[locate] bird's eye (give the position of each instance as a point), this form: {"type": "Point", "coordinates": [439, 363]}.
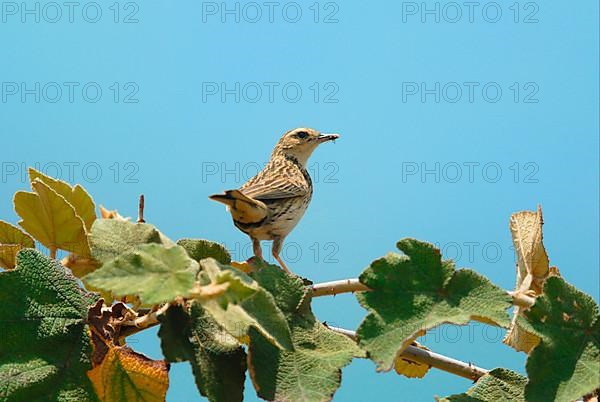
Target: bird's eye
{"type": "Point", "coordinates": [302, 135]}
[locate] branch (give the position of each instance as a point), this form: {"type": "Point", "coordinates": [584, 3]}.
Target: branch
{"type": "Point", "coordinates": [337, 287]}
{"type": "Point", "coordinates": [412, 353]}
{"type": "Point", "coordinates": [141, 210]}
{"type": "Point", "coordinates": [319, 289]}
{"type": "Point", "coordinates": [426, 357]}
{"type": "Point", "coordinates": [146, 321]}
{"type": "Point", "coordinates": [354, 285]}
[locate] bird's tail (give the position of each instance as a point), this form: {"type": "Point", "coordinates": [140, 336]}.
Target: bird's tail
{"type": "Point", "coordinates": [244, 209]}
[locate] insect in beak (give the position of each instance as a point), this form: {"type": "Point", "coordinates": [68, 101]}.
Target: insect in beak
{"type": "Point", "coordinates": [327, 137]}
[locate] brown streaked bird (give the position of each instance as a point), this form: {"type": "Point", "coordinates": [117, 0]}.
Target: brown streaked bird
{"type": "Point", "coordinates": [270, 204]}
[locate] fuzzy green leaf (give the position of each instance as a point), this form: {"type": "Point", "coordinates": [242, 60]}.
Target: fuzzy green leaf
{"type": "Point", "coordinates": [76, 195]}
{"type": "Point", "coordinates": [45, 346]}
{"type": "Point", "coordinates": [565, 365]}
{"type": "Point", "coordinates": [289, 291]}
{"type": "Point", "coordinates": [218, 360]}
{"type": "Point", "coordinates": [151, 271]}
{"type": "Point", "coordinates": [174, 334]}
{"type": "Point", "coordinates": [198, 249]}
{"type": "Point", "coordinates": [113, 237]}
{"type": "Point", "coordinates": [418, 291]}
{"type": "Point", "coordinates": [245, 304]}
{"type": "Point", "coordinates": [497, 385]}
{"type": "Point", "coordinates": [312, 371]}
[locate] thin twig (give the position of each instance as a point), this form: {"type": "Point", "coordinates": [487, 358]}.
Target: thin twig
{"type": "Point", "coordinates": [432, 359]}
{"type": "Point", "coordinates": [320, 289]}
{"type": "Point", "coordinates": [141, 210]}
{"type": "Point", "coordinates": [149, 319]}
{"type": "Point", "coordinates": [354, 285]}
{"type": "Point", "coordinates": [411, 353]}
{"type": "Point", "coordinates": [141, 323]}
{"type": "Point", "coordinates": [337, 287]}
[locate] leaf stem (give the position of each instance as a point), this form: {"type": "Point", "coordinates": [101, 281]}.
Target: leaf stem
{"type": "Point", "coordinates": [521, 300]}
{"type": "Point", "coordinates": [440, 362]}
{"type": "Point", "coordinates": [354, 285]}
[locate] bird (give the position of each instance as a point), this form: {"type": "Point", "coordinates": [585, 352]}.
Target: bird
{"type": "Point", "coordinates": [269, 205]}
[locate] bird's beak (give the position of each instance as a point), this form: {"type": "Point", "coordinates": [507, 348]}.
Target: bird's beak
{"type": "Point", "coordinates": [327, 137]}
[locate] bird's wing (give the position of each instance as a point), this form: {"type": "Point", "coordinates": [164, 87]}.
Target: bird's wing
{"type": "Point", "coordinates": [274, 189]}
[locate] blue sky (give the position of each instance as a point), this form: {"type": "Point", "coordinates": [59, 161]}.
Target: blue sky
{"type": "Point", "coordinates": [447, 127]}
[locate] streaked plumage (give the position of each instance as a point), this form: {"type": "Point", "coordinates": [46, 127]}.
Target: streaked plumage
{"type": "Point", "coordinates": [270, 204]}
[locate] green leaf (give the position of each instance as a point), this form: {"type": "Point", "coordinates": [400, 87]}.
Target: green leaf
{"type": "Point", "coordinates": [244, 304]}
{"type": "Point", "coordinates": [45, 345]}
{"type": "Point", "coordinates": [174, 334]}
{"type": "Point", "coordinates": [153, 272]}
{"type": "Point", "coordinates": [113, 237]}
{"type": "Point", "coordinates": [12, 239]}
{"type": "Point", "coordinates": [497, 385]}
{"type": "Point", "coordinates": [418, 291]}
{"type": "Point", "coordinates": [48, 217]}
{"type": "Point", "coordinates": [198, 249]}
{"type": "Point", "coordinates": [312, 371]}
{"type": "Point", "coordinates": [289, 291]}
{"type": "Point", "coordinates": [217, 358]}
{"type": "Point", "coordinates": [565, 365]}
{"type": "Point", "coordinates": [76, 195]}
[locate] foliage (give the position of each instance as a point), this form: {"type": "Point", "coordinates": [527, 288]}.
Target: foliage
{"type": "Point", "coordinates": [244, 305]}
{"type": "Point", "coordinates": [533, 268]}
{"type": "Point", "coordinates": [312, 370]}
{"type": "Point", "coordinates": [497, 385]}
{"type": "Point", "coordinates": [12, 239]}
{"type": "Point", "coordinates": [125, 375]}
{"type": "Point", "coordinates": [60, 342]}
{"type": "Point", "coordinates": [51, 219]}
{"type": "Point", "coordinates": [199, 249]}
{"type": "Point", "coordinates": [415, 292]}
{"type": "Point", "coordinates": [110, 238]}
{"type": "Point", "coordinates": [75, 195]}
{"type": "Point", "coordinates": [217, 358]}
{"type": "Point", "coordinates": [45, 347]}
{"type": "Point", "coordinates": [156, 274]}
{"type": "Point", "coordinates": [566, 362]}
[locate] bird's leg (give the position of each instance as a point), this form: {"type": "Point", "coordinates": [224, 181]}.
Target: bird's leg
{"type": "Point", "coordinates": [277, 244]}
{"type": "Point", "coordinates": [256, 248]}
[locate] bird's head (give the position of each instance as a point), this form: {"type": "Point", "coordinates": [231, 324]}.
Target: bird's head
{"type": "Point", "coordinates": [301, 142]}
